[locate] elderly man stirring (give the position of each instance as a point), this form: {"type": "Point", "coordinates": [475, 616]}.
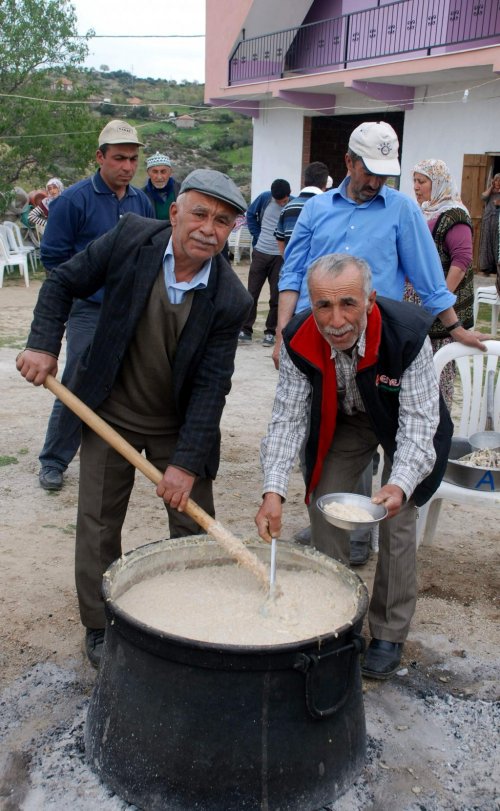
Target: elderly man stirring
{"type": "Point", "coordinates": [363, 371]}
{"type": "Point", "coordinates": [158, 370]}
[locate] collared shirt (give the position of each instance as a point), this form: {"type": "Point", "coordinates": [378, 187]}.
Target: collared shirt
{"type": "Point", "coordinates": [389, 232]}
{"type": "Point", "coordinates": [177, 290]}
{"type": "Point", "coordinates": [418, 420]}
{"type": "Point", "coordinates": [348, 396]}
{"type": "Point", "coordinates": [84, 212]}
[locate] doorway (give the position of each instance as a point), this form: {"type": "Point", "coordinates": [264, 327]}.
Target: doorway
{"type": "Point", "coordinates": [476, 176]}
{"type": "Point", "coordinates": [329, 136]}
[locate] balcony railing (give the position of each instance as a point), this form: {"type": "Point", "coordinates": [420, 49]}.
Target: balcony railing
{"type": "Point", "coordinates": [382, 33]}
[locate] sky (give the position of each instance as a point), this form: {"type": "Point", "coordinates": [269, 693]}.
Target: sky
{"type": "Point", "coordinates": [159, 58]}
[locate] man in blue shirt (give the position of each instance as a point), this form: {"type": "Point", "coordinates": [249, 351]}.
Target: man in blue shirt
{"type": "Point", "coordinates": [262, 218]}
{"type": "Point", "coordinates": [365, 218]}
{"type": "Point", "coordinates": [83, 212]}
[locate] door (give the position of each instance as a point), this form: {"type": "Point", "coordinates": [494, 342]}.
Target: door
{"type": "Point", "coordinates": [476, 170]}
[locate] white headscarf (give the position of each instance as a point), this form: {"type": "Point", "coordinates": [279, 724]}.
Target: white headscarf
{"type": "Point", "coordinates": [444, 194]}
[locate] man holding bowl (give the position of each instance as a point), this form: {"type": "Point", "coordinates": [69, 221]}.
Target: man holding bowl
{"type": "Point", "coordinates": [362, 371]}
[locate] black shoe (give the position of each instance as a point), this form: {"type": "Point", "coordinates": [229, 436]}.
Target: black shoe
{"type": "Point", "coordinates": [94, 640]}
{"type": "Point", "coordinates": [50, 478]}
{"type": "Point", "coordinates": [359, 552]}
{"type": "Point", "coordinates": [382, 659]}
{"type": "Point", "coordinates": [303, 536]}
{"type": "Point", "coordinates": [244, 337]}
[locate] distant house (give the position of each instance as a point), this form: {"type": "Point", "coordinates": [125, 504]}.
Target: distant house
{"type": "Point", "coordinates": [185, 122]}
{"type": "Point", "coordinates": [62, 84]}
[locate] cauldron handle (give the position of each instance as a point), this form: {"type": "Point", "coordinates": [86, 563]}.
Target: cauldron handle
{"type": "Point", "coordinates": [308, 664]}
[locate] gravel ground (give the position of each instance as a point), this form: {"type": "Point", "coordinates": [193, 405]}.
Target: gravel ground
{"type": "Point", "coordinates": [433, 732]}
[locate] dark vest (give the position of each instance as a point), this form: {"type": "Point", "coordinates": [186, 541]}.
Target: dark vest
{"type": "Point", "coordinates": [394, 337]}
{"type": "Point", "coordinates": [465, 290]}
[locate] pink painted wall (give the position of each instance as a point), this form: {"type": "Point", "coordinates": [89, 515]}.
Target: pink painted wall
{"type": "Point", "coordinates": [224, 21]}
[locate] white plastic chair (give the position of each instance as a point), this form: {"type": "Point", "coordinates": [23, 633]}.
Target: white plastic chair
{"type": "Point", "coordinates": [29, 250]}
{"type": "Point", "coordinates": [488, 295]}
{"type": "Point", "coordinates": [238, 241]}
{"type": "Point", "coordinates": [9, 258]}
{"type": "Point", "coordinates": [473, 366]}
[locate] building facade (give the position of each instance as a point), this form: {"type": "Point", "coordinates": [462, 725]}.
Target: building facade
{"type": "Point", "coordinates": [309, 71]}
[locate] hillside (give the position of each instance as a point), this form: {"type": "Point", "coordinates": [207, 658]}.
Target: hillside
{"type": "Point", "coordinates": [220, 139]}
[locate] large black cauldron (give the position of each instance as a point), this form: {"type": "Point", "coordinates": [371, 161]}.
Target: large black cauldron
{"type": "Point", "coordinates": [180, 725]}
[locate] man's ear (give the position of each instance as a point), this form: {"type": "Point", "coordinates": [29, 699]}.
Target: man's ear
{"type": "Point", "coordinates": [371, 301]}
{"type": "Point", "coordinates": [348, 162]}
{"type": "Point", "coordinates": [172, 213]}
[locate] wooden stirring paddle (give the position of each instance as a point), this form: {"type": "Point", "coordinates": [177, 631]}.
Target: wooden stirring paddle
{"type": "Point", "coordinates": [233, 546]}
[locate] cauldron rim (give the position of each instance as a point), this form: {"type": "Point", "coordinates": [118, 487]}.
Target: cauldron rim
{"type": "Point", "coordinates": [125, 621]}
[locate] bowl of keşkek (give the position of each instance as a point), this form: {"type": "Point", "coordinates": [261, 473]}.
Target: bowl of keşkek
{"type": "Point", "coordinates": [350, 511]}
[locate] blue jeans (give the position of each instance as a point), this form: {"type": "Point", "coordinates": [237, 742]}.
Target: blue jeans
{"type": "Point", "coordinates": [59, 449]}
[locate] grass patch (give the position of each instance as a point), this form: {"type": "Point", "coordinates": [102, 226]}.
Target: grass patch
{"type": "Point", "coordinates": [7, 460]}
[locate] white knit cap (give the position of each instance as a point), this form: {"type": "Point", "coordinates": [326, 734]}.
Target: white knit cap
{"type": "Point", "coordinates": [158, 160]}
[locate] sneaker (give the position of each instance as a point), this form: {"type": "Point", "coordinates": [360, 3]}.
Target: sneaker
{"type": "Point", "coordinates": [94, 641]}
{"type": "Point", "coordinates": [244, 338]}
{"type": "Point", "coordinates": [50, 478]}
{"type": "Point", "coordinates": [268, 339]}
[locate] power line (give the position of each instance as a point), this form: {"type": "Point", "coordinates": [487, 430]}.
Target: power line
{"type": "Point", "coordinates": [138, 36]}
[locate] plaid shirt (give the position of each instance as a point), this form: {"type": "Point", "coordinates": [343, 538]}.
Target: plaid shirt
{"type": "Point", "coordinates": [418, 418]}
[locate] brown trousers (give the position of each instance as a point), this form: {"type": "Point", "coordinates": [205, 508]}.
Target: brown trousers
{"type": "Point", "coordinates": [394, 593]}
{"type": "Point", "coordinates": [106, 482]}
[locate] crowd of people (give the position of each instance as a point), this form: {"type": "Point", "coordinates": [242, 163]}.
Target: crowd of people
{"type": "Point", "coordinates": [153, 316]}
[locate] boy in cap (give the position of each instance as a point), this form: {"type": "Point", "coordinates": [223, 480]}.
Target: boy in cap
{"type": "Point", "coordinates": [162, 189]}
{"type": "Point", "coordinates": [159, 368]}
{"type": "Point", "coordinates": [82, 213]}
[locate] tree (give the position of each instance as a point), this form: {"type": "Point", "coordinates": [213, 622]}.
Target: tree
{"type": "Point", "coordinates": [42, 130]}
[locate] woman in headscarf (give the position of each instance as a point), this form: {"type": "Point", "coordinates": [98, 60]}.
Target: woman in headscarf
{"type": "Point", "coordinates": [40, 211]}
{"type": "Point", "coordinates": [451, 228]}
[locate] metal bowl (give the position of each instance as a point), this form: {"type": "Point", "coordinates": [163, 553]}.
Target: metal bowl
{"type": "Point", "coordinates": [483, 479]}
{"type": "Point", "coordinates": [378, 511]}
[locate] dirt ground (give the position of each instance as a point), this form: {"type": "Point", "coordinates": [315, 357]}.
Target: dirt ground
{"type": "Point", "coordinates": [433, 742]}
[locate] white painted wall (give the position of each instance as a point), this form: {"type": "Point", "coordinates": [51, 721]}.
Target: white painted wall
{"type": "Point", "coordinates": [445, 128]}
{"type": "Point", "coordinates": [439, 126]}
{"type": "Point", "coordinates": [277, 147]}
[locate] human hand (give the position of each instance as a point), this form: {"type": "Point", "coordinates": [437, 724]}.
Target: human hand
{"type": "Point", "coordinates": [268, 519]}
{"type": "Point", "coordinates": [175, 487]}
{"type": "Point", "coordinates": [391, 496]}
{"type": "Point", "coordinates": [35, 366]}
{"type": "Point", "coordinates": [469, 337]}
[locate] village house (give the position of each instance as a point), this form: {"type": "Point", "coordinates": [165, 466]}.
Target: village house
{"type": "Point", "coordinates": [185, 122]}
{"type": "Point", "coordinates": [309, 71]}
